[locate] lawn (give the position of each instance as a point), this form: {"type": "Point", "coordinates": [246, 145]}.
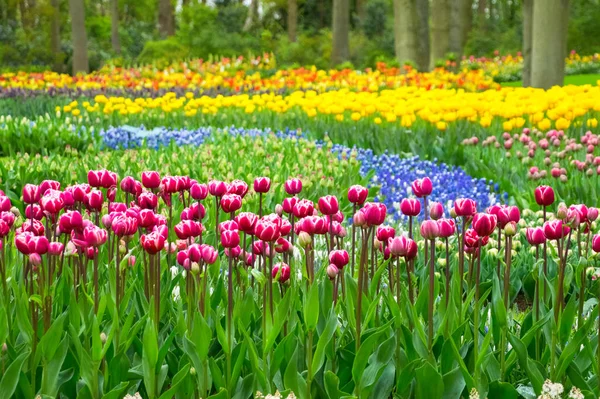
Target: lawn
{"type": "Point", "coordinates": [577, 80]}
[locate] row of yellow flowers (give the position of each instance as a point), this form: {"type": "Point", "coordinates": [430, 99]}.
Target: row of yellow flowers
{"type": "Point", "coordinates": [558, 107]}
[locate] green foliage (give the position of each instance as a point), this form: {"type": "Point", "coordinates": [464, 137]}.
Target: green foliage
{"type": "Point", "coordinates": [163, 51]}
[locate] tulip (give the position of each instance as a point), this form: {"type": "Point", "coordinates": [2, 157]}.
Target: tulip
{"type": "Point", "coordinates": [34, 211]}
{"type": "Point", "coordinates": [592, 214]}
{"type": "Point", "coordinates": [69, 221]}
{"type": "Point", "coordinates": [384, 233]}
{"type": "Point", "coordinates": [446, 227]}
{"type": "Point", "coordinates": [465, 207]}
{"type": "Point", "coordinates": [228, 225]}
{"type": "Point", "coordinates": [510, 229]}
{"type": "Point", "coordinates": [198, 191]}
{"type": "Point", "coordinates": [151, 180]}
{"type": "Point", "coordinates": [31, 194]}
{"type": "Point", "coordinates": [128, 185]}
{"type": "Point", "coordinates": [283, 246]}
{"type": "Point", "coordinates": [285, 227]}
{"type": "Point", "coordinates": [217, 188]}
{"type": "Point", "coordinates": [117, 207]}
{"type": "Point", "coordinates": [94, 236]}
{"type": "Point", "coordinates": [246, 222]}
{"type": "Point", "coordinates": [231, 203]}
{"type": "Point", "coordinates": [8, 218]}
{"type": "Point", "coordinates": [4, 229]}
{"type": "Point", "coordinates": [436, 210]}
{"type": "Point", "coordinates": [238, 187]}
{"type": "Point", "coordinates": [544, 195]}
{"type": "Point", "coordinates": [56, 248]}
{"type": "Point", "coordinates": [233, 252]}
{"type": "Point", "coordinates": [288, 204]}
{"type": "Point", "coordinates": [209, 254]}
{"type": "Point", "coordinates": [5, 204]}
{"type": "Point", "coordinates": [147, 200]}
{"type": "Point", "coordinates": [262, 185]}
{"type": "Point", "coordinates": [430, 229]}
{"type": "Point", "coordinates": [230, 238]}
{"type": "Point", "coordinates": [123, 225]}
{"type": "Point", "coordinates": [152, 242]}
{"type": "Point", "coordinates": [267, 231]}
{"type": "Point", "coordinates": [49, 185]}
{"type": "Point", "coordinates": [473, 240]}
{"type": "Point", "coordinates": [596, 243]}
{"type": "Point", "coordinates": [183, 259]}
{"type": "Point", "coordinates": [357, 194]}
{"type": "Point", "coordinates": [374, 213]}
{"type": "Point", "coordinates": [38, 245]}
{"type": "Point", "coordinates": [328, 205]}
{"type": "Point", "coordinates": [535, 236]}
{"type": "Point", "coordinates": [303, 208]}
{"type": "Point", "coordinates": [422, 187]}
{"type": "Point", "coordinates": [484, 224]}
{"type": "Point", "coordinates": [398, 245]}
{"type": "Point", "coordinates": [283, 270]}
{"type": "Point", "coordinates": [293, 186]}
{"type": "Point", "coordinates": [410, 207]}
{"type": "Point", "coordinates": [93, 200]}
{"type": "Point", "coordinates": [33, 226]}
{"type": "Point", "coordinates": [187, 229]}
{"type": "Point", "coordinates": [339, 258]}
{"type": "Point", "coordinates": [555, 230]}
{"type": "Point", "coordinates": [50, 204]}
{"type": "Point", "coordinates": [332, 272]}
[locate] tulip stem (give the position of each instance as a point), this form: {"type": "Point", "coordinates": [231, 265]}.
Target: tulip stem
{"type": "Point", "coordinates": [229, 317]}
{"type": "Point", "coordinates": [461, 268]}
{"type": "Point", "coordinates": [545, 253]}
{"type": "Point", "coordinates": [96, 288]}
{"type": "Point", "coordinates": [361, 276]}
{"type": "Point", "coordinates": [499, 248]}
{"type": "Point", "coordinates": [537, 302]}
{"type": "Point", "coordinates": [431, 294]}
{"type": "Point", "coordinates": [476, 323]}
{"type": "Point", "coordinates": [353, 238]}
{"type": "Point", "coordinates": [447, 275]}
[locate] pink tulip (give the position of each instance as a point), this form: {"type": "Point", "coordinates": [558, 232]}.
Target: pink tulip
{"type": "Point", "coordinates": [544, 195]}
{"type": "Point", "coordinates": [262, 184]}
{"type": "Point", "coordinates": [230, 238]}
{"type": "Point", "coordinates": [422, 187]}
{"type": "Point", "coordinates": [357, 194]}
{"type": "Point", "coordinates": [430, 229]}
{"type": "Point", "coordinates": [231, 202]}
{"type": "Point", "coordinates": [410, 207]}
{"type": "Point", "coordinates": [339, 258]}
{"type": "Point", "coordinates": [151, 179]}
{"type": "Point", "coordinates": [293, 186]}
{"type": "Point", "coordinates": [465, 207]}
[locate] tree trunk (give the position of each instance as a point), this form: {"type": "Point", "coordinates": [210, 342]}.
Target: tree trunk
{"type": "Point", "coordinates": [481, 14]}
{"type": "Point", "coordinates": [527, 41]}
{"type": "Point", "coordinates": [440, 30]}
{"type": "Point", "coordinates": [341, 32]}
{"type": "Point", "coordinates": [114, 27]}
{"type": "Point", "coordinates": [166, 26]}
{"type": "Point", "coordinates": [252, 15]}
{"type": "Point", "coordinates": [405, 30]}
{"type": "Point", "coordinates": [466, 12]}
{"type": "Point", "coordinates": [423, 35]}
{"type": "Point", "coordinates": [360, 11]}
{"type": "Point", "coordinates": [548, 43]}
{"type": "Point", "coordinates": [24, 16]}
{"type": "Point", "coordinates": [78, 36]}
{"type": "Point", "coordinates": [292, 20]}
{"type": "Point", "coordinates": [455, 28]}
{"type": "Point", "coordinates": [55, 36]}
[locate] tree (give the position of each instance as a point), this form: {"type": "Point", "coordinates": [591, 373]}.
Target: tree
{"type": "Point", "coordinates": [460, 25]}
{"type": "Point", "coordinates": [252, 17]}
{"type": "Point", "coordinates": [440, 30]}
{"type": "Point", "coordinates": [527, 41]}
{"type": "Point", "coordinates": [166, 22]}
{"type": "Point", "coordinates": [405, 30]}
{"type": "Point", "coordinates": [78, 36]}
{"type": "Point", "coordinates": [423, 35]}
{"type": "Point", "coordinates": [341, 32]}
{"type": "Point", "coordinates": [114, 26]}
{"type": "Point", "coordinates": [292, 19]}
{"type": "Point", "coordinates": [548, 49]}
{"type": "Point", "coordinates": [55, 35]}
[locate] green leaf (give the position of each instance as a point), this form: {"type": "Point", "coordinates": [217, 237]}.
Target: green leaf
{"type": "Point", "coordinates": [177, 380]}
{"type": "Point", "coordinates": [50, 380]}
{"type": "Point", "coordinates": [324, 339]}
{"type": "Point", "coordinates": [498, 308]}
{"type": "Point", "coordinates": [566, 321]}
{"type": "Point", "coordinates": [117, 392]}
{"type": "Point", "coordinates": [502, 390]}
{"type": "Point", "coordinates": [454, 384]}
{"type": "Point", "coordinates": [221, 395]}
{"type": "Point", "coordinates": [280, 318]}
{"type": "Point", "coordinates": [311, 308]}
{"type": "Point", "coordinates": [430, 384]}
{"type": "Point", "coordinates": [11, 376]}
{"type": "Point", "coordinates": [332, 383]}
{"type": "Point", "coordinates": [527, 364]}
{"type": "Point", "coordinates": [149, 358]}
{"type": "Point", "coordinates": [364, 352]}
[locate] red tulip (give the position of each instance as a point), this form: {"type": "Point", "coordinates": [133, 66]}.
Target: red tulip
{"type": "Point", "coordinates": [69, 221]}
{"type": "Point", "coordinates": [8, 217]}
{"type": "Point", "coordinates": [535, 235]}
{"type": "Point", "coordinates": [544, 195]}
{"type": "Point", "coordinates": [293, 186]}
{"type": "Point", "coordinates": [194, 252]}
{"type": "Point", "coordinates": [246, 222]}
{"type": "Point", "coordinates": [399, 245]}
{"type": "Point", "coordinates": [94, 199]}
{"type": "Point", "coordinates": [339, 258]}
{"type": "Point", "coordinates": [34, 211]}
{"type": "Point", "coordinates": [288, 204]}
{"type": "Point", "coordinates": [187, 229]}
{"type": "Point", "coordinates": [31, 194]}
{"type": "Point", "coordinates": [267, 231]}
{"type": "Point", "coordinates": [436, 210]}
{"type": "Point", "coordinates": [384, 233]}
{"type": "Point", "coordinates": [465, 207]}
{"type": "Point", "coordinates": [22, 242]}
{"type": "Point", "coordinates": [473, 240]}
{"type": "Point", "coordinates": [447, 227]}
{"type": "Point", "coordinates": [430, 229]}
{"type": "Point", "coordinates": [303, 208]}
{"type": "Point", "coordinates": [357, 194]}
{"type": "Point", "coordinates": [153, 242]}
{"type": "Point", "coordinates": [410, 206]}
{"type": "Point", "coordinates": [582, 210]}
{"type": "Point", "coordinates": [79, 192]}
{"type": "Point", "coordinates": [262, 184]}
{"type": "Point", "coordinates": [147, 200]}
{"type": "Point", "coordinates": [555, 230]}
{"type": "Point", "coordinates": [484, 224]}
{"type": "Point", "coordinates": [228, 225]}
{"type": "Point", "coordinates": [51, 204]}
{"type": "Point", "coordinates": [128, 185]}
{"type": "Point", "coordinates": [231, 202]}
{"type": "Point", "coordinates": [332, 272]}
{"type": "Point", "coordinates": [283, 246]}
{"type": "Point", "coordinates": [230, 238]}
{"type": "Point", "coordinates": [5, 204]}
{"type": "Point", "coordinates": [117, 207]}
{"type": "Point", "coordinates": [374, 213]}
{"type": "Point", "coordinates": [596, 243]}
{"type": "Point", "coordinates": [283, 270]}
{"type": "Point", "coordinates": [56, 248]}
{"type": "Point", "coordinates": [49, 185]}
{"type": "Point", "coordinates": [34, 226]}
{"type": "Point", "coordinates": [209, 254]}
{"type": "Point", "coordinates": [422, 187]}
{"type": "Point", "coordinates": [238, 187]}
{"type": "Point", "coordinates": [94, 236]}
{"type": "Point", "coordinates": [592, 214]}
{"type": "Point", "coordinates": [183, 260]}
{"type": "Point", "coordinates": [198, 191]}
{"type": "Point", "coordinates": [123, 225]}
{"type": "Point", "coordinates": [151, 179]}
{"type": "Point", "coordinates": [328, 205]}
{"type": "Point", "coordinates": [233, 252]}
{"type": "Point", "coordinates": [217, 188]}
{"type": "Point", "coordinates": [285, 227]}
{"type": "Point", "coordinates": [412, 250]}
{"type": "Point", "coordinates": [4, 229]}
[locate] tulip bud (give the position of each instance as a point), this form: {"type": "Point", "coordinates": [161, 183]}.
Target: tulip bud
{"type": "Point", "coordinates": [359, 219]}
{"type": "Point", "coordinates": [35, 259]}
{"type": "Point", "coordinates": [332, 271]}
{"type": "Point", "coordinates": [592, 214]}
{"type": "Point", "coordinates": [436, 210]}
{"type": "Point", "coordinates": [510, 229]}
{"type": "Point", "coordinates": [103, 338]}
{"type": "Point", "coordinates": [562, 211]}
{"type": "Point", "coordinates": [195, 268]}
{"type": "Point", "coordinates": [304, 239]}
{"type": "Point", "coordinates": [192, 371]}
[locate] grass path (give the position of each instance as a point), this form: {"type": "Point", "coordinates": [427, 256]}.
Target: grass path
{"type": "Point", "coordinates": [577, 80]}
